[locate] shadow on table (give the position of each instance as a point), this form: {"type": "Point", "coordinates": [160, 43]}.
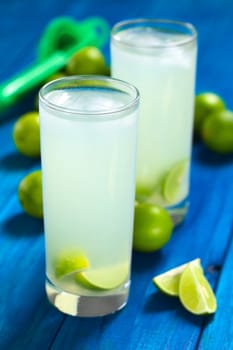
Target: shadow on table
{"type": "Point", "coordinates": [25, 105]}
{"type": "Point", "coordinates": [142, 262]}
{"type": "Point", "coordinates": [159, 302]}
{"type": "Point", "coordinates": [16, 161]}
{"type": "Point", "coordinates": [206, 156]}
{"type": "Point", "coordinates": [86, 330]}
{"type": "Point", "coordinates": [23, 225]}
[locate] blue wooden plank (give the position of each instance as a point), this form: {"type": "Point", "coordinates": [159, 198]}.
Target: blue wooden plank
{"type": "Point", "coordinates": [27, 320]}
{"type": "Point", "coordinates": [218, 334]}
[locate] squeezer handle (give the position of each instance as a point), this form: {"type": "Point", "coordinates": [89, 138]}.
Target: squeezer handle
{"type": "Point", "coordinates": [93, 31]}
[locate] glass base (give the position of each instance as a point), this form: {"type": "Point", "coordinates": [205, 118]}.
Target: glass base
{"type": "Point", "coordinates": [83, 305]}
{"type": "Point", "coordinates": [178, 211]}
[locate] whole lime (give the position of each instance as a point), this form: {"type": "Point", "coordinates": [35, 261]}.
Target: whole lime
{"type": "Point", "coordinates": [26, 134]}
{"type": "Point", "coordinates": [88, 60]}
{"type": "Point", "coordinates": [30, 194]}
{"type": "Point", "coordinates": [205, 104]}
{"type": "Point", "coordinates": [217, 131]}
{"type": "Point", "coordinates": [152, 227]}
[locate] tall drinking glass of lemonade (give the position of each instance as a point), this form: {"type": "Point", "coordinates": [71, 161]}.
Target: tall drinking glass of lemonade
{"type": "Point", "coordinates": [88, 148]}
{"type": "Point", "coordinates": [159, 58]}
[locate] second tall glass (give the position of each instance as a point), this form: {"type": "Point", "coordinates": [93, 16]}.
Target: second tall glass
{"type": "Point", "coordinates": [159, 58]}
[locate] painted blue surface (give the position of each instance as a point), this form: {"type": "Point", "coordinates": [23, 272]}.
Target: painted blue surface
{"type": "Point", "coordinates": [150, 320]}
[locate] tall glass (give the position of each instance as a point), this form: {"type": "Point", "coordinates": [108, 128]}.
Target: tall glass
{"type": "Point", "coordinates": [88, 148]}
{"type": "Point", "coordinates": [159, 58]}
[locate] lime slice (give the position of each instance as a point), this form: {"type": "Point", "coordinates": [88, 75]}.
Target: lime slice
{"type": "Point", "coordinates": [70, 262]}
{"type": "Point", "coordinates": [175, 185]}
{"type": "Point", "coordinates": [104, 278]}
{"type": "Point", "coordinates": [195, 293]}
{"type": "Point", "coordinates": [168, 282]}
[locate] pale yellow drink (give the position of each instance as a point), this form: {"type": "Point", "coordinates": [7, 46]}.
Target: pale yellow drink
{"type": "Point", "coordinates": [159, 58]}
{"type": "Point", "coordinates": [88, 145]}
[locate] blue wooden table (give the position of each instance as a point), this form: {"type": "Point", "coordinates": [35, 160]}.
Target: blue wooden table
{"type": "Point", "coordinates": [150, 320]}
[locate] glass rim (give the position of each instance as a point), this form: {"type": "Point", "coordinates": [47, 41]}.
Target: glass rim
{"type": "Point", "coordinates": [153, 21]}
{"type": "Point", "coordinates": [97, 81]}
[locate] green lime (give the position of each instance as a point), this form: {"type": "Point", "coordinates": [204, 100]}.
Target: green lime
{"type": "Point", "coordinates": [205, 104]}
{"type": "Point", "coordinates": [217, 131]}
{"type": "Point", "coordinates": [88, 60]}
{"type": "Point", "coordinates": [152, 227]}
{"type": "Point", "coordinates": [175, 186]}
{"type": "Point", "coordinates": [168, 282]}
{"type": "Point", "coordinates": [70, 262]}
{"type": "Point", "coordinates": [30, 194]}
{"type": "Point", "coordinates": [104, 278]}
{"type": "Point", "coordinates": [26, 134]}
{"type": "Point", "coordinates": [143, 192]}
{"type": "Point", "coordinates": [195, 292]}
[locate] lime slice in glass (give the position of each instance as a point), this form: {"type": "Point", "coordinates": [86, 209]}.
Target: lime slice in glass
{"type": "Point", "coordinates": [175, 185]}
{"type": "Point", "coordinates": [104, 278]}
{"type": "Point", "coordinates": [70, 262]}
{"type": "Point", "coordinates": [195, 292]}
{"type": "Point", "coordinates": [168, 282]}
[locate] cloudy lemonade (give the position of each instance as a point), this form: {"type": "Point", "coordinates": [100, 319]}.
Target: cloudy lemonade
{"type": "Point", "coordinates": [88, 167]}
{"type": "Point", "coordinates": [161, 64]}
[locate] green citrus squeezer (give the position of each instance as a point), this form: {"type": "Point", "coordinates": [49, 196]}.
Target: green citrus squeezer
{"type": "Point", "coordinates": [61, 39]}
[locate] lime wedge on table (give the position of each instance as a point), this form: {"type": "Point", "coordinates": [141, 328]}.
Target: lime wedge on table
{"type": "Point", "coordinates": [168, 282]}
{"type": "Point", "coordinates": [104, 278]}
{"type": "Point", "coordinates": [195, 292]}
{"type": "Point", "coordinates": [175, 182]}
{"type": "Point", "coordinates": [70, 262]}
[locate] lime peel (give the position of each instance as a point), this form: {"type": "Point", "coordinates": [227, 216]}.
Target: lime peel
{"type": "Point", "coordinates": [26, 134]}
{"type": "Point", "coordinates": [30, 194]}
{"type": "Point", "coordinates": [153, 227]}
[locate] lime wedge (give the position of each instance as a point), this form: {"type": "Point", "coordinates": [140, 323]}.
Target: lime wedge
{"type": "Point", "coordinates": [168, 282]}
{"type": "Point", "coordinates": [70, 262]}
{"type": "Point", "coordinates": [195, 293]}
{"type": "Point", "coordinates": [104, 278]}
{"type": "Point", "coordinates": [175, 185]}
